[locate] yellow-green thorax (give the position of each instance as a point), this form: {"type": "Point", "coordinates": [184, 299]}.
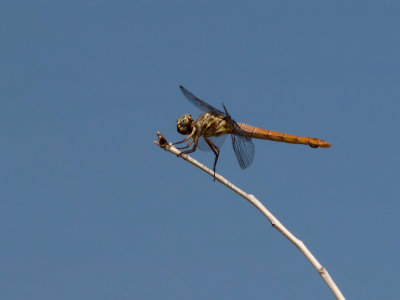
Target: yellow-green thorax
{"type": "Point", "coordinates": [207, 125]}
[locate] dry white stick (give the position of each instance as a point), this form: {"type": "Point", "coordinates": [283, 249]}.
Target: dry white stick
{"type": "Point", "coordinates": [162, 142]}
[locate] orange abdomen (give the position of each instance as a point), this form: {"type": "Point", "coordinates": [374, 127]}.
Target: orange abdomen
{"type": "Point", "coordinates": [265, 134]}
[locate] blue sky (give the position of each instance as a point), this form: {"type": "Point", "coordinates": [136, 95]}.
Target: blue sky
{"type": "Point", "coordinates": [91, 209]}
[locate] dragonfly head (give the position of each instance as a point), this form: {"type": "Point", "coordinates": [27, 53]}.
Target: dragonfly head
{"type": "Point", "coordinates": [185, 124]}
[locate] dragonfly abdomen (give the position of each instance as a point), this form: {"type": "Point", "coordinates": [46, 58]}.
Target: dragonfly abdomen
{"type": "Point", "coordinates": [276, 136]}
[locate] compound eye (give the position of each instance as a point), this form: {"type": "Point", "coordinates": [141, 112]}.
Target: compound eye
{"type": "Point", "coordinates": [186, 119]}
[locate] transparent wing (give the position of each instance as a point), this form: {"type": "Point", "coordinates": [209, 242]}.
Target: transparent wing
{"type": "Point", "coordinates": [217, 141]}
{"type": "Point", "coordinates": [243, 147]}
{"type": "Point", "coordinates": [200, 104]}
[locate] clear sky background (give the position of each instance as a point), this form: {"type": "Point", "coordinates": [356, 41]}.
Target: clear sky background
{"type": "Point", "coordinates": [90, 208]}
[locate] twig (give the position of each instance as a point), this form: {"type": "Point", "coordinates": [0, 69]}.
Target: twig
{"type": "Point", "coordinates": [162, 142]}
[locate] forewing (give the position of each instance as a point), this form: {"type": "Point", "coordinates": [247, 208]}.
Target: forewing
{"type": "Point", "coordinates": [244, 148]}
{"type": "Point", "coordinates": [202, 105]}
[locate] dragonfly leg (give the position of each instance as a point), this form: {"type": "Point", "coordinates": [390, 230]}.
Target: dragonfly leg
{"type": "Point", "coordinates": [184, 140]}
{"type": "Point", "coordinates": [191, 135]}
{"type": "Point", "coordinates": [215, 149]}
{"type": "Point", "coordinates": [187, 146]}
{"type": "Point", "coordinates": [195, 140]}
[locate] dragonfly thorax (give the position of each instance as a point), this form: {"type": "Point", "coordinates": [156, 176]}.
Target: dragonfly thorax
{"type": "Point", "coordinates": [185, 124]}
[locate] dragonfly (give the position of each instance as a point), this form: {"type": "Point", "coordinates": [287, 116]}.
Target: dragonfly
{"type": "Point", "coordinates": [214, 123]}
